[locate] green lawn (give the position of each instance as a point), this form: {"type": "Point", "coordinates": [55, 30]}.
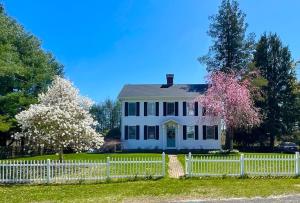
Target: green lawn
{"type": "Point", "coordinates": [139, 191]}
{"type": "Point", "coordinates": [91, 156]}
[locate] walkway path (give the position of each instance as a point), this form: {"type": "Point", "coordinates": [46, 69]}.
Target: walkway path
{"type": "Point", "coordinates": [175, 168]}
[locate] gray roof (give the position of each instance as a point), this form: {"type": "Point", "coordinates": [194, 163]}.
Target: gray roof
{"type": "Point", "coordinates": [158, 90]}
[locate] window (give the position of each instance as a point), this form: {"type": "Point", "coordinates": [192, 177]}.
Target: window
{"type": "Point", "coordinates": [210, 132]}
{"type": "Point", "coordinates": [190, 108]}
{"type": "Point", "coordinates": [170, 109]}
{"type": "Point", "coordinates": [151, 132]}
{"type": "Point", "coordinates": [132, 132]}
{"type": "Point", "coordinates": [132, 109]}
{"type": "Point", "coordinates": [190, 132]}
{"type": "Point", "coordinates": [151, 108]}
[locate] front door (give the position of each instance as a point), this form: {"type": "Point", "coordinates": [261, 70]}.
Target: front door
{"type": "Point", "coordinates": [171, 134]}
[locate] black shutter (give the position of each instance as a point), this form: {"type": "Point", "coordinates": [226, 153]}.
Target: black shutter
{"type": "Point", "coordinates": [196, 132]}
{"type": "Point", "coordinates": [184, 108]}
{"type": "Point", "coordinates": [126, 108]}
{"type": "Point", "coordinates": [203, 111]}
{"type": "Point", "coordinates": [196, 108]}
{"type": "Point", "coordinates": [145, 132]}
{"type": "Point", "coordinates": [204, 132]}
{"type": "Point", "coordinates": [145, 109]}
{"type": "Point", "coordinates": [137, 132]}
{"type": "Point", "coordinates": [126, 132]}
{"type": "Point", "coordinates": [157, 108]}
{"type": "Point", "coordinates": [165, 108]}
{"type": "Point", "coordinates": [216, 132]}
{"type": "Point", "coordinates": [137, 108]}
{"type": "Point", "coordinates": [184, 132]}
{"type": "Point", "coordinates": [157, 132]}
{"type": "Point", "coordinates": [176, 108]}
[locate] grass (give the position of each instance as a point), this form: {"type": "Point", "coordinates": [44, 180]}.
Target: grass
{"type": "Point", "coordinates": [91, 156]}
{"type": "Point", "coordinates": [150, 190]}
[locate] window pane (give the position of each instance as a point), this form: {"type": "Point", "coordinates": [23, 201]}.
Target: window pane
{"type": "Point", "coordinates": [190, 131]}
{"type": "Point", "coordinates": [131, 109]}
{"type": "Point", "coordinates": [132, 132]}
{"type": "Point", "coordinates": [190, 109]}
{"type": "Point", "coordinates": [210, 132]}
{"type": "Point", "coordinates": [151, 109]}
{"type": "Point", "coordinates": [151, 132]}
{"type": "Point", "coordinates": [170, 109]}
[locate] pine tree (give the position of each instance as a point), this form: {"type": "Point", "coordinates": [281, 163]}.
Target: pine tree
{"type": "Point", "coordinates": [275, 64]}
{"type": "Point", "coordinates": [231, 51]}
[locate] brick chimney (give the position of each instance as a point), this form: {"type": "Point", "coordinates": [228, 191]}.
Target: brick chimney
{"type": "Point", "coordinates": [170, 78]}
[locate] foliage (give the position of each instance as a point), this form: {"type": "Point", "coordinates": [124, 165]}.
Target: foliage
{"type": "Point", "coordinates": [229, 99]}
{"type": "Point", "coordinates": [275, 64]}
{"type": "Point", "coordinates": [231, 51]}
{"type": "Point", "coordinates": [25, 70]}
{"type": "Point", "coordinates": [60, 120]}
{"type": "Point", "coordinates": [108, 115]}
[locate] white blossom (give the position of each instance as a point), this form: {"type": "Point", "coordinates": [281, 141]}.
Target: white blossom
{"type": "Point", "coordinates": [60, 119]}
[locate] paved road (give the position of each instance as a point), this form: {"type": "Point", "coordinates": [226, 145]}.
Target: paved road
{"type": "Point", "coordinates": [288, 199]}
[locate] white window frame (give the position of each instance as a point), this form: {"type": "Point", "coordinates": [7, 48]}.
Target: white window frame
{"type": "Point", "coordinates": [167, 108]}
{"type": "Point", "coordinates": [212, 128]}
{"type": "Point", "coordinates": [148, 127]}
{"type": "Point", "coordinates": [130, 137]}
{"type": "Point", "coordinates": [130, 104]}
{"type": "Point", "coordinates": [189, 130]}
{"type": "Point", "coordinates": [190, 108]}
{"type": "Point", "coordinates": [151, 109]}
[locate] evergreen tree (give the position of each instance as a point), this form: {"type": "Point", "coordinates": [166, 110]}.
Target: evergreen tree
{"type": "Point", "coordinates": [231, 51]}
{"type": "Point", "coordinates": [25, 70]}
{"type": "Point", "coordinates": [275, 64]}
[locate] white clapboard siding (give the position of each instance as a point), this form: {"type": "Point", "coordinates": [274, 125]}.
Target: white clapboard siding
{"type": "Point", "coordinates": [248, 164]}
{"type": "Point", "coordinates": [53, 171]}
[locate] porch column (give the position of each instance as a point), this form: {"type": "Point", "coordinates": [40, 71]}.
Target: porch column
{"type": "Point", "coordinates": [163, 136]}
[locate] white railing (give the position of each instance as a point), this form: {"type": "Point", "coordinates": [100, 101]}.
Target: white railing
{"type": "Point", "coordinates": [248, 164]}
{"type": "Point", "coordinates": [52, 171]}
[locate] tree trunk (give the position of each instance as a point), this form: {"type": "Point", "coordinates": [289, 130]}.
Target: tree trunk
{"type": "Point", "coordinates": [229, 139]}
{"type": "Point", "coordinates": [272, 140]}
{"type": "Point", "coordinates": [61, 153]}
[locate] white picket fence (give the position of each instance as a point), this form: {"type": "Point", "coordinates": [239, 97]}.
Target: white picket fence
{"type": "Point", "coordinates": [53, 171]}
{"type": "Point", "coordinates": [245, 164]}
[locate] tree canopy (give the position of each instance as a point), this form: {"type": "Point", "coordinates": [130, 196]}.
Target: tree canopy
{"type": "Point", "coordinates": [25, 70]}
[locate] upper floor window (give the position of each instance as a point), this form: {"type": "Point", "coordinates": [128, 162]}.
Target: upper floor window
{"type": "Point", "coordinates": [170, 108]}
{"type": "Point", "coordinates": [190, 132]}
{"type": "Point", "coordinates": [190, 108]}
{"type": "Point", "coordinates": [132, 109]}
{"type": "Point", "coordinates": [151, 108]}
{"type": "Point", "coordinates": [210, 132]}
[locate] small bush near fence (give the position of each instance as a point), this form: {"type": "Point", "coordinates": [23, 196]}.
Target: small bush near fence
{"type": "Point", "coordinates": [243, 165]}
{"type": "Point", "coordinates": [52, 171]}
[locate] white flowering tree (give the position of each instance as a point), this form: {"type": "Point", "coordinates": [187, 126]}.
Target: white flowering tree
{"type": "Point", "coordinates": [60, 120]}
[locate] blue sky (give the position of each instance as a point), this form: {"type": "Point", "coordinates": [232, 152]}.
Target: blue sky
{"type": "Point", "coordinates": [106, 44]}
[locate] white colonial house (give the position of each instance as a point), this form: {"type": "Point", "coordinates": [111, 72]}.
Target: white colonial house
{"type": "Point", "coordinates": [166, 116]}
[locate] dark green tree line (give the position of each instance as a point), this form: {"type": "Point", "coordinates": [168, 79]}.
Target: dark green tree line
{"type": "Point", "coordinates": [25, 70]}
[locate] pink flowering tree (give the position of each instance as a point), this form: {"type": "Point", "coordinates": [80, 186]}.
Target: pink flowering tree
{"type": "Point", "coordinates": [230, 100]}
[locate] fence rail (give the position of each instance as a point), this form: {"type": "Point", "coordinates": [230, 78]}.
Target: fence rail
{"type": "Point", "coordinates": [52, 171]}
{"type": "Point", "coordinates": [245, 164]}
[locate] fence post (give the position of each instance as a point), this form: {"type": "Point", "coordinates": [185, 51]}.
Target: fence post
{"type": "Point", "coordinates": [107, 167]}
{"type": "Point", "coordinates": [297, 171]}
{"type": "Point", "coordinates": [48, 171]}
{"type": "Point", "coordinates": [189, 164]}
{"type": "Point", "coordinates": [163, 164]}
{"type": "Point", "coordinates": [242, 163]}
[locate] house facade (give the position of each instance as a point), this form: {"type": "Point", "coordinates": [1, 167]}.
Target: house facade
{"type": "Point", "coordinates": [166, 116]}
